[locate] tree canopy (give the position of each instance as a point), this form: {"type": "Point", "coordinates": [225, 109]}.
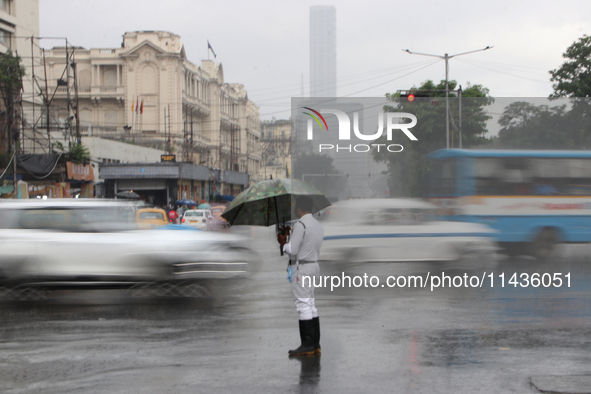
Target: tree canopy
{"type": "Point", "coordinates": [11, 73]}
{"type": "Point", "coordinates": [528, 126]}
{"type": "Point", "coordinates": [573, 78]}
{"type": "Point", "coordinates": [405, 170]}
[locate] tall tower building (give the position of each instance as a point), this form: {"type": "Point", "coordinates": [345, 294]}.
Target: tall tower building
{"type": "Point", "coordinates": [323, 51]}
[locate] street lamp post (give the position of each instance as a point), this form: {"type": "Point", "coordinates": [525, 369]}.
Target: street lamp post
{"type": "Point", "coordinates": [446, 57]}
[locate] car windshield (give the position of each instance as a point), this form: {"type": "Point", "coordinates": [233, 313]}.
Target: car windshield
{"type": "Point", "coordinates": [193, 214]}
{"type": "Point", "coordinates": [151, 215]}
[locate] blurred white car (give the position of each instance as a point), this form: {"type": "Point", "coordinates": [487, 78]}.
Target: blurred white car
{"type": "Point", "coordinates": [94, 243]}
{"type": "Point", "coordinates": [198, 218]}
{"type": "Point", "coordinates": [398, 230]}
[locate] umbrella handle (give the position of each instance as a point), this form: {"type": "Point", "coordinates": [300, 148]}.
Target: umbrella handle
{"type": "Point", "coordinates": [281, 230]}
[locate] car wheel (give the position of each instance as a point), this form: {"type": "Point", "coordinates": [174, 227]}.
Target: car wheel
{"type": "Point", "coordinates": [544, 244]}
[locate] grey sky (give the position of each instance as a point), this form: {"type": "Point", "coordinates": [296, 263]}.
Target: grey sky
{"type": "Point", "coordinates": [264, 44]}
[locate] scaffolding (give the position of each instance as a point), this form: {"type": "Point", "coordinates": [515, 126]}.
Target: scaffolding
{"type": "Point", "coordinates": [45, 127]}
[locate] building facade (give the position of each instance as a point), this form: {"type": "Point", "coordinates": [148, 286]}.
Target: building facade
{"type": "Point", "coordinates": [323, 51]}
{"type": "Point", "coordinates": [275, 149]}
{"type": "Point", "coordinates": [148, 93]}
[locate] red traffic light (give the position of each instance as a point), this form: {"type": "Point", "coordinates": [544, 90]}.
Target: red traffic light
{"type": "Point", "coordinates": [411, 97]}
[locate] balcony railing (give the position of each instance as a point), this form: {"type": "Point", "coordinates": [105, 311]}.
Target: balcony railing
{"type": "Point", "coordinates": [228, 121]}
{"type": "Point", "coordinates": [200, 106]}
{"type": "Point", "coordinates": [101, 91]}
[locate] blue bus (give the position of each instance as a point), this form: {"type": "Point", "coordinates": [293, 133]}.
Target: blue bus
{"type": "Point", "coordinates": [534, 199]}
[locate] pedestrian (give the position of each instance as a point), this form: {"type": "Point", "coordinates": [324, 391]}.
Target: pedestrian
{"type": "Point", "coordinates": [304, 248]}
{"type": "Point", "coordinates": [181, 210]}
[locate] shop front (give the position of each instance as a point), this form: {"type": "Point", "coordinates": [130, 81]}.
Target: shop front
{"type": "Point", "coordinates": [162, 184]}
{"type": "Point", "coordinates": [49, 176]}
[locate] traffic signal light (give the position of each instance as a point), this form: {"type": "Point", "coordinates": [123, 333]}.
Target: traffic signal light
{"type": "Point", "coordinates": [410, 96]}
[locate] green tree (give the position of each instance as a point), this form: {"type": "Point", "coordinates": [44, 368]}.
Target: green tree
{"type": "Point", "coordinates": [79, 153]}
{"type": "Point", "coordinates": [405, 170]}
{"type": "Point", "coordinates": [528, 126]}
{"type": "Point", "coordinates": [573, 78]}
{"type": "Point", "coordinates": [11, 73]}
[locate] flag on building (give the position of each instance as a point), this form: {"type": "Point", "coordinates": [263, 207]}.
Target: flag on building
{"type": "Point", "coordinates": [132, 103]}
{"type": "Point", "coordinates": [142, 107]}
{"type": "Point", "coordinates": [137, 105]}
{"type": "Point", "coordinates": [210, 48]}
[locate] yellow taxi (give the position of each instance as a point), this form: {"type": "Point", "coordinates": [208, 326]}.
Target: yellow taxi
{"type": "Point", "coordinates": [148, 218]}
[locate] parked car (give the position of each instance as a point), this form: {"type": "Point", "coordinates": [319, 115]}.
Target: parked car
{"type": "Point", "coordinates": [399, 230]}
{"type": "Point", "coordinates": [101, 247]}
{"type": "Point", "coordinates": [198, 218]}
{"type": "Point", "coordinates": [149, 218]}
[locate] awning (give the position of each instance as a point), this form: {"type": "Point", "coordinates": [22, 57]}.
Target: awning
{"type": "Point", "coordinates": [38, 165]}
{"type": "Point", "coordinates": [6, 189]}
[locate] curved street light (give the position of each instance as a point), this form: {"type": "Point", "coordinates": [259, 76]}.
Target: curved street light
{"type": "Point", "coordinates": [446, 57]}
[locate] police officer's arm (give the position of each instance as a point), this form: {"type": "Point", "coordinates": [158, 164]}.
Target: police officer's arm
{"type": "Point", "coordinates": [297, 234]}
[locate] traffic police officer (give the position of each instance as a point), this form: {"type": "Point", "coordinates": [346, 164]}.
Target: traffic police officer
{"type": "Point", "coordinates": [304, 248]}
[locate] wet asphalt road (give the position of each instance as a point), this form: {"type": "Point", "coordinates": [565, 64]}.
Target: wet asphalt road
{"type": "Point", "coordinates": [234, 337]}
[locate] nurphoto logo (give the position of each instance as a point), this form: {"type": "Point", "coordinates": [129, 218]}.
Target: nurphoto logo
{"type": "Point", "coordinates": [344, 130]}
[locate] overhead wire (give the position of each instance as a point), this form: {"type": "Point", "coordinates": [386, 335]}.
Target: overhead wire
{"type": "Point", "coordinates": [498, 71]}
{"type": "Point", "coordinates": [383, 73]}
{"type": "Point", "coordinates": [369, 88]}
{"type": "Point", "coordinates": [364, 80]}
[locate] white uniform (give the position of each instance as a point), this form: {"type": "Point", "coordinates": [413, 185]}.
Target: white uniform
{"type": "Point", "coordinates": [304, 245]}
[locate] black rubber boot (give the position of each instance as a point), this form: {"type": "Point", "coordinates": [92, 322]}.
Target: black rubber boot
{"type": "Point", "coordinates": [317, 348]}
{"type": "Point", "coordinates": [307, 336]}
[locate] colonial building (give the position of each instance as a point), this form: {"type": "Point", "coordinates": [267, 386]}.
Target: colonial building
{"type": "Point", "coordinates": [147, 93]}
{"type": "Point", "coordinates": [275, 149]}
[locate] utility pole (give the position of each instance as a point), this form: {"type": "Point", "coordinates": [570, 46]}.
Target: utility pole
{"type": "Point", "coordinates": [32, 90]}
{"type": "Point", "coordinates": [169, 130]}
{"type": "Point", "coordinates": [11, 130]}
{"type": "Point", "coordinates": [76, 115]}
{"type": "Point", "coordinates": [46, 100]}
{"type": "Point", "coordinates": [68, 96]}
{"type": "Point", "coordinates": [446, 57]}
{"type": "Point", "coordinates": [460, 113]}
{"type": "Point", "coordinates": [191, 147]}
